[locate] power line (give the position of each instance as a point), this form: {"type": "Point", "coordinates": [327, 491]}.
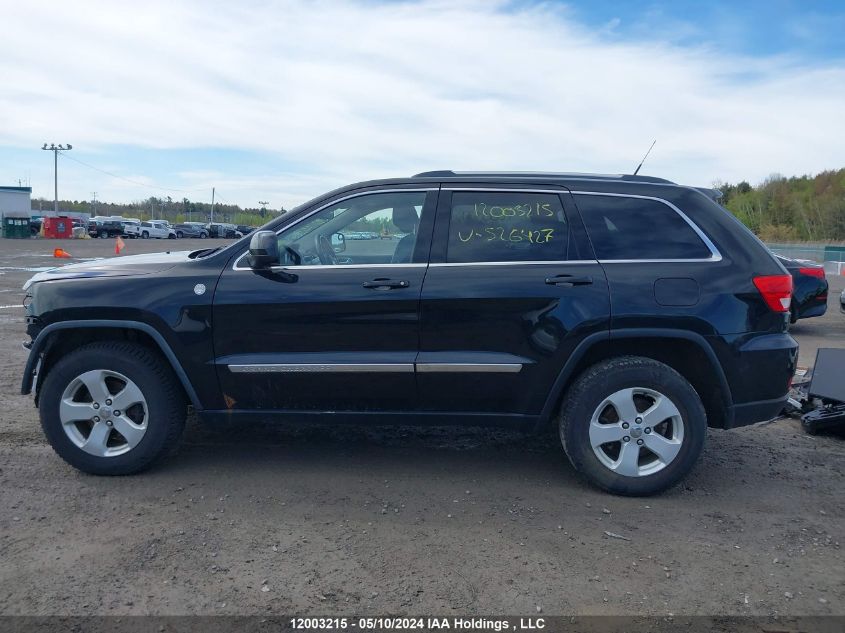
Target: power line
{"type": "Point", "coordinates": [134, 182]}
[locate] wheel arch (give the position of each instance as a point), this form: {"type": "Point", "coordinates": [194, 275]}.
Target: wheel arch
{"type": "Point", "coordinates": [48, 347]}
{"type": "Point", "coordinates": [686, 352]}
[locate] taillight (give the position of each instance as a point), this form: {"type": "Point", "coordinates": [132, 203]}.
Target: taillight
{"type": "Point", "coordinates": [776, 291]}
{"type": "Point", "coordinates": [812, 272]}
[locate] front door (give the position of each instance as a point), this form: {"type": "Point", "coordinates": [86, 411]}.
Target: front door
{"type": "Point", "coordinates": [336, 326]}
{"type": "Point", "coordinates": [512, 288]}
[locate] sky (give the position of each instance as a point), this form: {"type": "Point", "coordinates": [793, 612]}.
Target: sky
{"type": "Point", "coordinates": [281, 100]}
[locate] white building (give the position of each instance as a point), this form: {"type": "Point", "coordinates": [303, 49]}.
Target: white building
{"type": "Point", "coordinates": [15, 202]}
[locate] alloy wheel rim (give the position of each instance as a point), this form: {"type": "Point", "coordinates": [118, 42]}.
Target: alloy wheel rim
{"type": "Point", "coordinates": [103, 413]}
{"type": "Point", "coordinates": [636, 432]}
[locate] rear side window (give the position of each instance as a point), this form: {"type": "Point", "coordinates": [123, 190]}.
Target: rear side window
{"type": "Point", "coordinates": [495, 226]}
{"type": "Point", "coordinates": [636, 228]}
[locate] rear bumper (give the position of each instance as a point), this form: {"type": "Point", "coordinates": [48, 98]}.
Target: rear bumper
{"type": "Point", "coordinates": [813, 308]}
{"type": "Point", "coordinates": [761, 371]}
{"type": "Point", "coordinates": [753, 412]}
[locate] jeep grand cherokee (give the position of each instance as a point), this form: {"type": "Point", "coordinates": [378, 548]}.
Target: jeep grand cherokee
{"type": "Point", "coordinates": [630, 312]}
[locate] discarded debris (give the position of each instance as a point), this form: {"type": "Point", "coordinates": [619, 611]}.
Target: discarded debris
{"type": "Point", "coordinates": [615, 535]}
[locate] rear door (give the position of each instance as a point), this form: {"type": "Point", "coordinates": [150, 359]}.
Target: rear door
{"type": "Point", "coordinates": [511, 290]}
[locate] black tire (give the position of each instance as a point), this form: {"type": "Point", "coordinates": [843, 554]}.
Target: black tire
{"type": "Point", "coordinates": [145, 235]}
{"type": "Point", "coordinates": [166, 403]}
{"type": "Point", "coordinates": [203, 235]}
{"type": "Point", "coordinates": [179, 234]}
{"type": "Point", "coordinates": [793, 315]}
{"type": "Point", "coordinates": [171, 236]}
{"type": "Point", "coordinates": [608, 377]}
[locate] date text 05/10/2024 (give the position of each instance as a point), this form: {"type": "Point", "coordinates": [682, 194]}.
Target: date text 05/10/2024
{"type": "Point", "coordinates": [418, 623]}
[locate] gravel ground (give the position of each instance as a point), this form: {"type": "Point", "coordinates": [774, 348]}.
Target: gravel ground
{"type": "Point", "coordinates": [261, 518]}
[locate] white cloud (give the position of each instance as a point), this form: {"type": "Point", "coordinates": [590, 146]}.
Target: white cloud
{"type": "Point", "coordinates": [348, 91]}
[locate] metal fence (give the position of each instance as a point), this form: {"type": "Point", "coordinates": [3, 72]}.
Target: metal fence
{"type": "Point", "coordinates": [815, 252]}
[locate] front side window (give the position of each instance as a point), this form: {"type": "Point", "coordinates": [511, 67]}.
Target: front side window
{"type": "Point", "coordinates": [496, 226]}
{"type": "Point", "coordinates": [623, 227]}
{"type": "Point", "coordinates": [378, 228]}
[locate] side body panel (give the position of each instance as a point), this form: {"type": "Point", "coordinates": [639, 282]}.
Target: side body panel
{"type": "Point", "coordinates": [494, 336]}
{"type": "Point", "coordinates": [321, 337]}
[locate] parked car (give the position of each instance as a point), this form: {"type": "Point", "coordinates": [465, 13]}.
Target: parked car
{"type": "Point", "coordinates": [222, 230]}
{"type": "Point", "coordinates": [809, 288]}
{"type": "Point", "coordinates": [158, 229]}
{"type": "Point", "coordinates": [105, 228]}
{"type": "Point", "coordinates": [495, 308]}
{"type": "Point", "coordinates": [35, 225]}
{"type": "Point", "coordinates": [131, 228]}
{"type": "Point", "coordinates": [243, 229]}
{"type": "Point", "coordinates": [190, 229]}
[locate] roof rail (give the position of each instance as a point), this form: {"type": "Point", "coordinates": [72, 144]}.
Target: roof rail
{"type": "Point", "coordinates": [448, 173]}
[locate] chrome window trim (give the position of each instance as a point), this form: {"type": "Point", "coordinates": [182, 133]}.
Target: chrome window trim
{"type": "Point", "coordinates": [293, 269]}
{"type": "Point", "coordinates": [517, 263]}
{"type": "Point", "coordinates": [325, 206]}
{"type": "Point", "coordinates": [715, 255]}
{"type": "Point", "coordinates": [558, 192]}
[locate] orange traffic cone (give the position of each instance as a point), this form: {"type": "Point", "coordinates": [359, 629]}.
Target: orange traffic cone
{"type": "Point", "coordinates": [118, 245]}
{"type": "Point", "coordinates": [60, 252]}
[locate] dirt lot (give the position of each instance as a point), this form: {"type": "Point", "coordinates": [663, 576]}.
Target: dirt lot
{"type": "Point", "coordinates": [340, 520]}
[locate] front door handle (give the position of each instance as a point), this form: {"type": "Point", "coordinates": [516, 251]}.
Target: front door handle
{"type": "Point", "coordinates": [568, 280]}
{"type": "Point", "coordinates": [383, 283]}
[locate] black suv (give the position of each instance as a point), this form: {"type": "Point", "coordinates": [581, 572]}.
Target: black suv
{"type": "Point", "coordinates": [630, 312]}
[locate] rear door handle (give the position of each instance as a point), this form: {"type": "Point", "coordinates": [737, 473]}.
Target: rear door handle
{"type": "Point", "coordinates": [383, 283]}
{"type": "Point", "coordinates": [568, 280]}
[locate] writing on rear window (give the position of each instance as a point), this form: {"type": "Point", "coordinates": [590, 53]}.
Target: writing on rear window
{"type": "Point", "coordinates": [500, 226]}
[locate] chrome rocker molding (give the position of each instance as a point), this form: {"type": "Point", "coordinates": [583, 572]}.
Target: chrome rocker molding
{"type": "Point", "coordinates": [283, 368]}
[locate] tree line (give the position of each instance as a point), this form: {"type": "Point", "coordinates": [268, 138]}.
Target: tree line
{"type": "Point", "coordinates": [799, 208]}
{"type": "Point", "coordinates": [780, 209]}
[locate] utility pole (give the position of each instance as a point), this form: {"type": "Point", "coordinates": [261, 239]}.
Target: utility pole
{"type": "Point", "coordinates": [93, 203]}
{"type": "Point", "coordinates": [56, 149]}
{"type": "Point", "coordinates": [212, 205]}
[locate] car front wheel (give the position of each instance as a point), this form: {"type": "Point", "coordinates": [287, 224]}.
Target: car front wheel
{"type": "Point", "coordinates": [633, 426]}
{"type": "Point", "coordinates": [112, 408]}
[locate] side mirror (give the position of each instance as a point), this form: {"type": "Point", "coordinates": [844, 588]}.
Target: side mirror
{"type": "Point", "coordinates": [263, 250]}
{"type": "Point", "coordinates": [338, 242]}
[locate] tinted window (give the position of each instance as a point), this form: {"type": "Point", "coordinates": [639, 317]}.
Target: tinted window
{"type": "Point", "coordinates": [505, 227]}
{"type": "Point", "coordinates": [634, 228]}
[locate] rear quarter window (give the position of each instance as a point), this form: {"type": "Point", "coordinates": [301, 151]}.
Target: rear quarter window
{"type": "Point", "coordinates": [622, 227]}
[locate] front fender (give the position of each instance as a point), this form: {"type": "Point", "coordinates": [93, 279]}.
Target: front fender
{"type": "Point", "coordinates": [39, 346]}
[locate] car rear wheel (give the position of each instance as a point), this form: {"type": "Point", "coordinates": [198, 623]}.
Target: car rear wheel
{"type": "Point", "coordinates": [112, 408]}
{"type": "Point", "coordinates": [203, 235]}
{"type": "Point", "coordinates": [179, 234]}
{"type": "Point", "coordinates": [145, 235]}
{"type": "Point", "coordinates": [633, 426]}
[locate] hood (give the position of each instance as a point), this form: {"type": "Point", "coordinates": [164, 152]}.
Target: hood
{"type": "Point", "coordinates": [113, 267]}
